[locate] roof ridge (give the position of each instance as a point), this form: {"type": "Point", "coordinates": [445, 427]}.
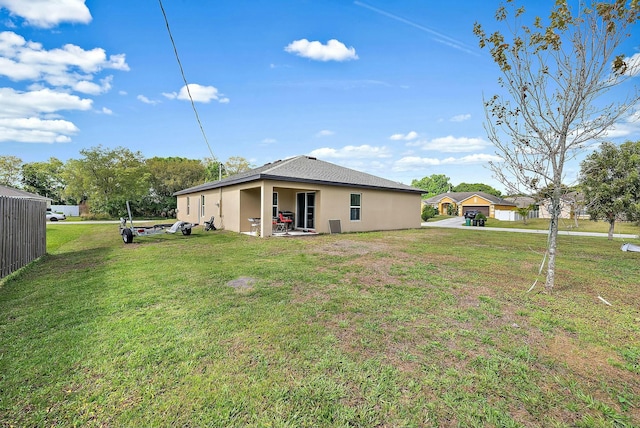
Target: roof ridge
{"type": "Point", "coordinates": [280, 162]}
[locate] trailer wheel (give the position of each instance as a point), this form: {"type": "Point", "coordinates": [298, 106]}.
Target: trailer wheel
{"type": "Point", "coordinates": [186, 231]}
{"type": "Point", "coordinates": [127, 236]}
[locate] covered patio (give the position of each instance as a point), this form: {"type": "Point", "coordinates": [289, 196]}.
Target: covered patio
{"type": "Point", "coordinates": [288, 211]}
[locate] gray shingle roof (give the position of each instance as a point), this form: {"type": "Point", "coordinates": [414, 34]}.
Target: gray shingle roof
{"type": "Point", "coordinates": [461, 196]}
{"type": "Point", "coordinates": [306, 169]}
{"type": "Point", "coordinates": [16, 193]}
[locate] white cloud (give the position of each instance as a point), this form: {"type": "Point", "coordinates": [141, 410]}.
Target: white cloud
{"type": "Point", "coordinates": [106, 111]}
{"type": "Point", "coordinates": [451, 144]}
{"type": "Point", "coordinates": [47, 14]}
{"type": "Point", "coordinates": [31, 117]}
{"type": "Point", "coordinates": [269, 141]}
{"type": "Point", "coordinates": [18, 104]}
{"type": "Point", "coordinates": [199, 93]}
{"type": "Point", "coordinates": [633, 67]}
{"type": "Point", "coordinates": [146, 100]}
{"type": "Point", "coordinates": [412, 135]}
{"type": "Point", "coordinates": [363, 151]}
{"type": "Point", "coordinates": [66, 67]}
{"type": "Point", "coordinates": [91, 88]}
{"type": "Point", "coordinates": [51, 75]}
{"type": "Point", "coordinates": [460, 118]}
{"type": "Point", "coordinates": [334, 50]}
{"type": "Point", "coordinates": [325, 133]}
{"type": "Point", "coordinates": [35, 130]}
{"type": "Point", "coordinates": [411, 163]}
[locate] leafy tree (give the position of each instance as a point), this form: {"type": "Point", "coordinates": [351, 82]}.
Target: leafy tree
{"type": "Point", "coordinates": [553, 74]}
{"type": "Point", "coordinates": [107, 178]}
{"type": "Point", "coordinates": [236, 165]}
{"type": "Point", "coordinates": [167, 176]}
{"type": "Point", "coordinates": [434, 184]}
{"type": "Point", "coordinates": [477, 187]}
{"type": "Point", "coordinates": [524, 212]}
{"type": "Point", "coordinates": [216, 170]}
{"type": "Point", "coordinates": [10, 171]}
{"type": "Point", "coordinates": [213, 169]}
{"type": "Point", "coordinates": [611, 182]}
{"type": "Point", "coordinates": [452, 209]}
{"type": "Point", "coordinates": [45, 179]}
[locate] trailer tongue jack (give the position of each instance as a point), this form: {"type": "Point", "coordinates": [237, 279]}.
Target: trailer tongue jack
{"type": "Point", "coordinates": [128, 232]}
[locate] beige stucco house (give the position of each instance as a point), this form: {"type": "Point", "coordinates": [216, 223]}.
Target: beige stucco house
{"type": "Point", "coordinates": [310, 192]}
{"type": "Point", "coordinates": [489, 205]}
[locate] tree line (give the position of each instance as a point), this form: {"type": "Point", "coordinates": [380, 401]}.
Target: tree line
{"type": "Point", "coordinates": [106, 178]}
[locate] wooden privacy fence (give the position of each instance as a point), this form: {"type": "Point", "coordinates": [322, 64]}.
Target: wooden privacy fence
{"type": "Point", "coordinates": [23, 232]}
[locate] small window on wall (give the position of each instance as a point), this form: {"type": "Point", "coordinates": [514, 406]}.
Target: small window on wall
{"type": "Point", "coordinates": [355, 206]}
{"type": "Point", "coordinates": [202, 205]}
{"type": "Point", "coordinates": [188, 205]}
{"type": "Point", "coordinates": [274, 211]}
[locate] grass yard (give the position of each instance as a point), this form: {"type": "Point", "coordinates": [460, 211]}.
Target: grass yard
{"type": "Point", "coordinates": [624, 227]}
{"type": "Point", "coordinates": [416, 328]}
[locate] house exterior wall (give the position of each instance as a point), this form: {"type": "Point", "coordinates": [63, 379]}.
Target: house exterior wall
{"type": "Point", "coordinates": [380, 209]}
{"type": "Point", "coordinates": [444, 203]}
{"type": "Point", "coordinates": [565, 210]}
{"type": "Point", "coordinates": [474, 203]}
{"type": "Point", "coordinates": [223, 204]}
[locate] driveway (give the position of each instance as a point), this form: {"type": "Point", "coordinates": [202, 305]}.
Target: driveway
{"type": "Point", "coordinates": [459, 223]}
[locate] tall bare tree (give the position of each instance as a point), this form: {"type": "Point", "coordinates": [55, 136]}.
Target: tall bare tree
{"type": "Point", "coordinates": [554, 73]}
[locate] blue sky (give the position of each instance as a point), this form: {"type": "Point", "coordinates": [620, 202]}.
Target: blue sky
{"type": "Point", "coordinates": [390, 88]}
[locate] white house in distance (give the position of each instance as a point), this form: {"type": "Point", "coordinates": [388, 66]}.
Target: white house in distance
{"type": "Point", "coordinates": [314, 194]}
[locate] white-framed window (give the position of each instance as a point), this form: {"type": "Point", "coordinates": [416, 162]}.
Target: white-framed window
{"type": "Point", "coordinates": [355, 206]}
{"type": "Point", "coordinates": [201, 205]}
{"type": "Point", "coordinates": [274, 210]}
{"type": "Point", "coordinates": [188, 205]}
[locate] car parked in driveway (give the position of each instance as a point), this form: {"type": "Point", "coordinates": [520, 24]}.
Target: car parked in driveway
{"type": "Point", "coordinates": [51, 216]}
{"type": "Point", "coordinates": [471, 214]}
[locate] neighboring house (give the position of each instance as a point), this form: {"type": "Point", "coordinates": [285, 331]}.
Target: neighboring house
{"type": "Point", "coordinates": [309, 191]}
{"type": "Point", "coordinates": [489, 205]}
{"type": "Point", "coordinates": [15, 193]}
{"type": "Point", "coordinates": [571, 203]}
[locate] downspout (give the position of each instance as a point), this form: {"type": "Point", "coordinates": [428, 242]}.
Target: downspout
{"type": "Point", "coordinates": [220, 208]}
{"type": "Point", "coordinates": [220, 197]}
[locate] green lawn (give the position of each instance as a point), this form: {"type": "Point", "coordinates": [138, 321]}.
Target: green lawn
{"type": "Point", "coordinates": [568, 225]}
{"type": "Point", "coordinates": [429, 327]}
{"type": "Point", "coordinates": [564, 224]}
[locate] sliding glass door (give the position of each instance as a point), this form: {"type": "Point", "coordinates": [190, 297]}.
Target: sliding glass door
{"type": "Point", "coordinates": [305, 211]}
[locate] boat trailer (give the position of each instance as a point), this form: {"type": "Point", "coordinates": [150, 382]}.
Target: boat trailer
{"type": "Point", "coordinates": [128, 232]}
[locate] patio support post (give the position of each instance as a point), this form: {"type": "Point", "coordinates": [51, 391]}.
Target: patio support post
{"type": "Point", "coordinates": [266, 195]}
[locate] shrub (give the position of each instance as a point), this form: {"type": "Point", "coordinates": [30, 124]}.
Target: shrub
{"type": "Point", "coordinates": [428, 212]}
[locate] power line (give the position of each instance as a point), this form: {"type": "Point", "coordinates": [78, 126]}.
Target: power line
{"type": "Point", "coordinates": [186, 85]}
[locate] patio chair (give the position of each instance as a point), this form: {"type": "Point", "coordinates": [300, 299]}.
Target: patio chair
{"type": "Point", "coordinates": [285, 222]}
{"type": "Point", "coordinates": [279, 227]}
{"type": "Point", "coordinates": [255, 225]}
{"type": "Point", "coordinates": [208, 225]}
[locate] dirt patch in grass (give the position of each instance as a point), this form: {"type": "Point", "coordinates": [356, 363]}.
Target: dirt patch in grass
{"type": "Point", "coordinates": [242, 284]}
{"type": "Point", "coordinates": [347, 247]}
{"type": "Point", "coordinates": [591, 363]}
